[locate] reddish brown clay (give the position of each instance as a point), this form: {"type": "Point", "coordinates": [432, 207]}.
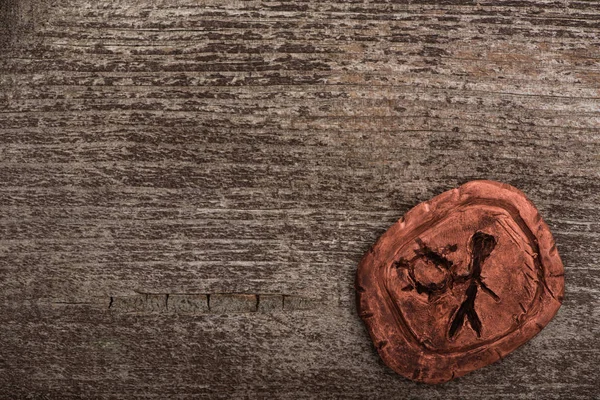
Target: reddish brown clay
{"type": "Point", "coordinates": [459, 282]}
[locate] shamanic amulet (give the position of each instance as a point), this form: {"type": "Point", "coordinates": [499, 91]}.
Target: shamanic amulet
{"type": "Point", "coordinates": [459, 282]}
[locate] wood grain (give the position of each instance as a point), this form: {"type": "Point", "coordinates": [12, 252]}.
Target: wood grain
{"type": "Point", "coordinates": [244, 149]}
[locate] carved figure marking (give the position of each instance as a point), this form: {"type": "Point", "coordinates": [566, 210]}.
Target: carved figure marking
{"type": "Point", "coordinates": [481, 245]}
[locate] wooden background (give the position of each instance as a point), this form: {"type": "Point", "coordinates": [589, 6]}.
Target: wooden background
{"type": "Point", "coordinates": [186, 187]}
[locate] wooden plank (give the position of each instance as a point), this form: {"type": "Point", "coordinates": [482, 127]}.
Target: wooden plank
{"type": "Point", "coordinates": [187, 188]}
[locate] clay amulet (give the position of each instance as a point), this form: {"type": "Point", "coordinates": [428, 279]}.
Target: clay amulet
{"type": "Point", "coordinates": [459, 282]}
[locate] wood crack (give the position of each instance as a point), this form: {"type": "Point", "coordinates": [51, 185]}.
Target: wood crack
{"type": "Point", "coordinates": [212, 303]}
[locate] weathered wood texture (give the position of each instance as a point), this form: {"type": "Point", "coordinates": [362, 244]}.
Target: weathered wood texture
{"type": "Point", "coordinates": [187, 187]}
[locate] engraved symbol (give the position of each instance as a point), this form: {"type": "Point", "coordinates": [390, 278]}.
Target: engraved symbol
{"type": "Point", "coordinates": [482, 246]}
{"type": "Point", "coordinates": [440, 275]}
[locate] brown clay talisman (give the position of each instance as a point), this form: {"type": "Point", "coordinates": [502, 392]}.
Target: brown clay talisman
{"type": "Point", "coordinates": [459, 282]}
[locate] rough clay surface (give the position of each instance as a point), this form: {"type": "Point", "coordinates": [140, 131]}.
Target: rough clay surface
{"type": "Point", "coordinates": [158, 153]}
{"type": "Point", "coordinates": [459, 282]}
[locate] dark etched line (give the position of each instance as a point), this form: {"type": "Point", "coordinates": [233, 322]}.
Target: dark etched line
{"type": "Point", "coordinates": [360, 289]}
{"type": "Point", "coordinates": [433, 256]}
{"type": "Point", "coordinates": [473, 317]}
{"type": "Point", "coordinates": [547, 287]}
{"type": "Point", "coordinates": [540, 326]}
{"type": "Point", "coordinates": [416, 373]}
{"type": "Point", "coordinates": [499, 354]}
{"type": "Point", "coordinates": [467, 309]}
{"type": "Point", "coordinates": [482, 246]}
{"type": "Point", "coordinates": [489, 291]}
